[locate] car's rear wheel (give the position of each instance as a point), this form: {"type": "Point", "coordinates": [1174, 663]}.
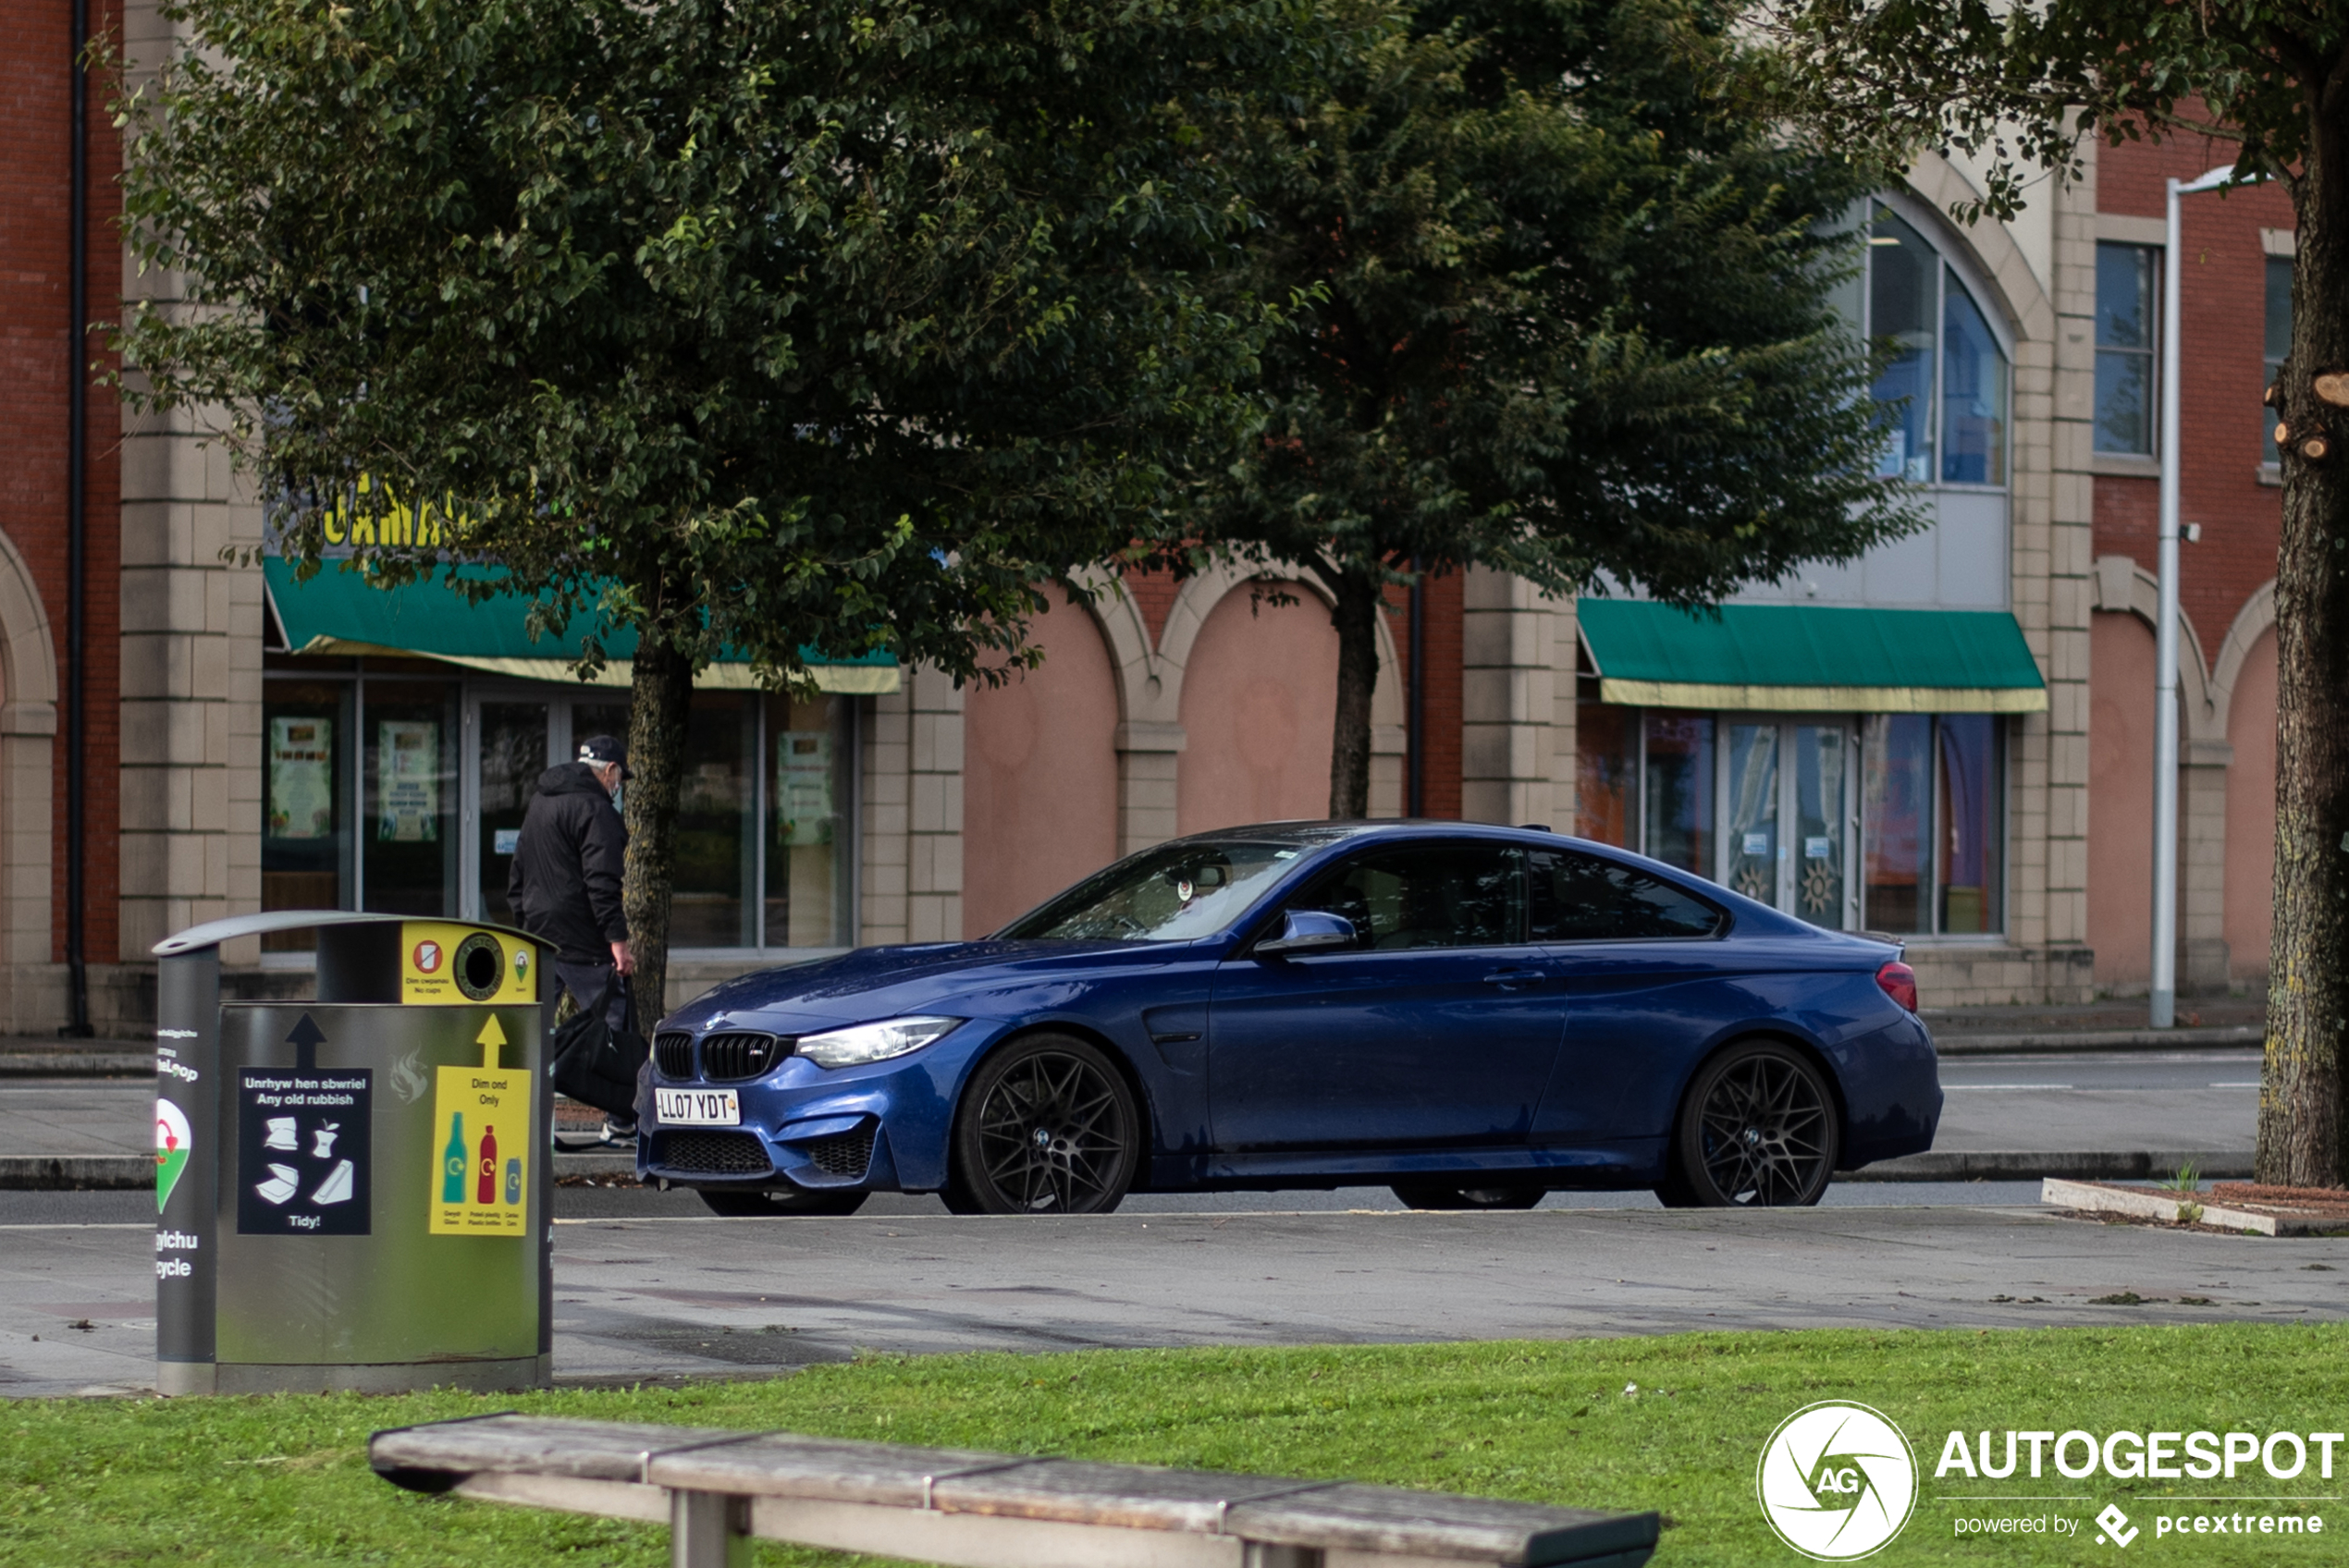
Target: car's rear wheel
{"type": "Point", "coordinates": [756, 1204]}
{"type": "Point", "coordinates": [1047, 1126]}
{"type": "Point", "coordinates": [1758, 1130]}
{"type": "Point", "coordinates": [1424, 1195]}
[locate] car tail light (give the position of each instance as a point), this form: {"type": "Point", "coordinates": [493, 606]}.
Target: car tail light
{"type": "Point", "coordinates": [1899, 982]}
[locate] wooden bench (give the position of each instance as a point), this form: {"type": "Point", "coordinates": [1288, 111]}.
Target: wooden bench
{"type": "Point", "coordinates": [717, 1488]}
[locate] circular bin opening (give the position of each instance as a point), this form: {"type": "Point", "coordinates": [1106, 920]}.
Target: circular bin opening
{"type": "Point", "coordinates": [480, 967]}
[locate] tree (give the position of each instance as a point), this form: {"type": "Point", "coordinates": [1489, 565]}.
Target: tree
{"type": "Point", "coordinates": [2018, 88]}
{"type": "Point", "coordinates": [1570, 319]}
{"type": "Point", "coordinates": [767, 327]}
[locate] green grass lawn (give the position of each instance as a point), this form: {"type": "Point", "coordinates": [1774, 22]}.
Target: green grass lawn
{"type": "Point", "coordinates": [284, 1481]}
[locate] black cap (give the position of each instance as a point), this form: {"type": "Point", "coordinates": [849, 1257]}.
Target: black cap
{"type": "Point", "coordinates": [605, 749]}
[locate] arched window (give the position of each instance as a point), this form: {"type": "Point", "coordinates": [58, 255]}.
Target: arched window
{"type": "Point", "coordinates": [1945, 393]}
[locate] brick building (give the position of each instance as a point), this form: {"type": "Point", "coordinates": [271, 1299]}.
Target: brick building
{"type": "Point", "coordinates": [1950, 740]}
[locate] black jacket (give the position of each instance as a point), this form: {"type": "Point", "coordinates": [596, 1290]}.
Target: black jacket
{"type": "Point", "coordinates": [564, 884]}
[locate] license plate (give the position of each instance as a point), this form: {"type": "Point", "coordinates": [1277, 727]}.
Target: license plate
{"type": "Point", "coordinates": [698, 1107]}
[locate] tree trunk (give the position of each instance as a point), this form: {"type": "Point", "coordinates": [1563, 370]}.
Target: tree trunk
{"type": "Point", "coordinates": [1356, 617]}
{"type": "Point", "coordinates": [2301, 1139]}
{"type": "Point", "coordinates": [660, 691]}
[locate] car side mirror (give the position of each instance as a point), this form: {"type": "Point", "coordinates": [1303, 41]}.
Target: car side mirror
{"type": "Point", "coordinates": [1309, 931]}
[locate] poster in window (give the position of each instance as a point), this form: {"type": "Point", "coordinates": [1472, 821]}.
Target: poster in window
{"type": "Point", "coordinates": [803, 798]}
{"type": "Point", "coordinates": [302, 777]}
{"type": "Point", "coordinates": [408, 780]}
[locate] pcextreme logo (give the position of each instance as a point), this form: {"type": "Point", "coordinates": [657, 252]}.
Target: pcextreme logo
{"type": "Point", "coordinates": [1837, 1481]}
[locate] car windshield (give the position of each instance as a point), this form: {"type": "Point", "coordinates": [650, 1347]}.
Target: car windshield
{"type": "Point", "coordinates": [1169, 894]}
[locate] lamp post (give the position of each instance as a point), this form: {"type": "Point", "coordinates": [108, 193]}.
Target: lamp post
{"type": "Point", "coordinates": [2165, 633]}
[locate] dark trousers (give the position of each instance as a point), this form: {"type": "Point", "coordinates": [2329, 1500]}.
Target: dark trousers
{"type": "Point", "coordinates": [585, 983]}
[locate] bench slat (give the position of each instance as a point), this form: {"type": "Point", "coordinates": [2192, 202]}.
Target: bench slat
{"type": "Point", "coordinates": [1392, 1520]}
{"type": "Point", "coordinates": [537, 1445]}
{"type": "Point", "coordinates": [838, 1469]}
{"type": "Point", "coordinates": [1132, 1496]}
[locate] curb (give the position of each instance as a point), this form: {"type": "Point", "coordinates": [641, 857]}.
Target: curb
{"type": "Point", "coordinates": [77, 1065]}
{"type": "Point", "coordinates": [2033, 1164]}
{"type": "Point", "coordinates": [2172, 1210]}
{"type": "Point", "coordinates": [75, 1173]}
{"type": "Point", "coordinates": [2099, 1040]}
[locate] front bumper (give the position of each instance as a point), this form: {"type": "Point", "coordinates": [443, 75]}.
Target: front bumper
{"type": "Point", "coordinates": [880, 1127]}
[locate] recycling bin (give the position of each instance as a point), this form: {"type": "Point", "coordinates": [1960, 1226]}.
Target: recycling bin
{"type": "Point", "coordinates": [351, 1192]}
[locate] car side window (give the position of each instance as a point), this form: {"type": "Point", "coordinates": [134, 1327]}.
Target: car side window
{"type": "Point", "coordinates": [1426, 896]}
{"type": "Point", "coordinates": [1576, 897]}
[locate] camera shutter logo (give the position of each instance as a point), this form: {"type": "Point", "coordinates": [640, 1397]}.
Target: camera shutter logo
{"type": "Point", "coordinates": [1837, 1481]}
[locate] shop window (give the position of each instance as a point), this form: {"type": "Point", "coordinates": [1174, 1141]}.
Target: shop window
{"type": "Point", "coordinates": [808, 783]}
{"type": "Point", "coordinates": [1768, 804]}
{"type": "Point", "coordinates": [2279, 345]}
{"type": "Point", "coordinates": [1677, 811]}
{"type": "Point", "coordinates": [1896, 822]}
{"type": "Point", "coordinates": [305, 818]}
{"type": "Point", "coordinates": [513, 754]}
{"type": "Point", "coordinates": [715, 837]}
{"type": "Point", "coordinates": [407, 769]}
{"type": "Point", "coordinates": [1967, 850]}
{"type": "Point", "coordinates": [1606, 783]}
{"type": "Point", "coordinates": [366, 791]}
{"type": "Point", "coordinates": [1931, 826]}
{"type": "Point", "coordinates": [2125, 276]}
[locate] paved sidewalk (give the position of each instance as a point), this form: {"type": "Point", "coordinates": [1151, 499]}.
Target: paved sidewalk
{"type": "Point", "coordinates": [669, 1296]}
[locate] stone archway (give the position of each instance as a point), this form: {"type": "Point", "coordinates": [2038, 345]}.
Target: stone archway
{"type": "Point", "coordinates": [30, 995]}
{"type": "Point", "coordinates": [1210, 597]}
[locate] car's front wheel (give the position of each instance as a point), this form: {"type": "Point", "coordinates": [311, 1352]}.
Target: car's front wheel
{"type": "Point", "coordinates": [1758, 1130]}
{"type": "Point", "coordinates": [1423, 1195]}
{"type": "Point", "coordinates": [756, 1204]}
{"type": "Point", "coordinates": [1047, 1126]}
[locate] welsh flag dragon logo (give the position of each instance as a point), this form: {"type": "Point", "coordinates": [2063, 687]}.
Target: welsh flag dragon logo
{"type": "Point", "coordinates": [173, 1141]}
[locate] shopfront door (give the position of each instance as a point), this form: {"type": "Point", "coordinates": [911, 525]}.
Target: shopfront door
{"type": "Point", "coordinates": [513, 734]}
{"type": "Point", "coordinates": [1789, 816]}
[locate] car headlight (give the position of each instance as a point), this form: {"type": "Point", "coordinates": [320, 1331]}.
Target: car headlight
{"type": "Point", "coordinates": [862, 1043]}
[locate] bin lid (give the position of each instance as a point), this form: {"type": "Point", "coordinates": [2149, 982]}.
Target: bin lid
{"type": "Point", "coordinates": [211, 932]}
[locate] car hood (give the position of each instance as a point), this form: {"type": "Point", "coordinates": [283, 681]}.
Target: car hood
{"type": "Point", "coordinates": [970, 979]}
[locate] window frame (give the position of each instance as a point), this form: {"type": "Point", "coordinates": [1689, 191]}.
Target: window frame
{"type": "Point", "coordinates": [2271, 366]}
{"type": "Point", "coordinates": [2150, 257]}
{"type": "Point", "coordinates": [1954, 265]}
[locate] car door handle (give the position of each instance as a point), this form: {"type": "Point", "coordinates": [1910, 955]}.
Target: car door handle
{"type": "Point", "coordinates": [1514, 979]}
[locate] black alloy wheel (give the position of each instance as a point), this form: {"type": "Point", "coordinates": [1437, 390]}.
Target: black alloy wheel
{"type": "Point", "coordinates": [1423, 1195]}
{"type": "Point", "coordinates": [1758, 1131]}
{"type": "Point", "coordinates": [1047, 1126]}
{"type": "Point", "coordinates": [754, 1203]}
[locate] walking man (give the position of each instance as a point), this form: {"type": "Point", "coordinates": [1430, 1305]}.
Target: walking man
{"type": "Point", "coordinates": [564, 884]}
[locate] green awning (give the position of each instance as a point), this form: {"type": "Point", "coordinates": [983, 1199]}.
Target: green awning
{"type": "Point", "coordinates": [1811, 658]}
{"type": "Point", "coordinates": [337, 612]}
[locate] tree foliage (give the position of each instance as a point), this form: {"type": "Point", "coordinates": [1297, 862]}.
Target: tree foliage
{"type": "Point", "coordinates": [2017, 88]}
{"type": "Point", "coordinates": [768, 326]}
{"type": "Point", "coordinates": [1570, 320]}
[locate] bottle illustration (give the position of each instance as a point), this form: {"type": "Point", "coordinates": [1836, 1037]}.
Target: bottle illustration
{"type": "Point", "coordinates": [486, 1192]}
{"type": "Point", "coordinates": [452, 1162]}
{"type": "Point", "coordinates": [513, 1180]}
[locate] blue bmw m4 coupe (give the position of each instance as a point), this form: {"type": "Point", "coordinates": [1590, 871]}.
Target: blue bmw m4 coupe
{"type": "Point", "coordinates": [1474, 1016]}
